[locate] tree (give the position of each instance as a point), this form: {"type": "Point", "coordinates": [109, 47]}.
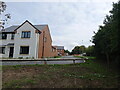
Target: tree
{"type": "Point", "coordinates": [90, 51]}
{"type": "Point", "coordinates": [2, 7]}
{"type": "Point", "coordinates": [66, 51]}
{"type": "Point", "coordinates": [78, 50]}
{"type": "Point", "coordinates": [7, 16]}
{"type": "Point", "coordinates": [82, 49]}
{"type": "Point", "coordinates": [107, 38]}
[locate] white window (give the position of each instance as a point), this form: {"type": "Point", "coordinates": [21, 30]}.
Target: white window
{"type": "Point", "coordinates": [25, 34]}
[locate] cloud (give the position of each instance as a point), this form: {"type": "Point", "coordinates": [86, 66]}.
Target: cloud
{"type": "Point", "coordinates": [60, 1]}
{"type": "Point", "coordinates": [70, 23]}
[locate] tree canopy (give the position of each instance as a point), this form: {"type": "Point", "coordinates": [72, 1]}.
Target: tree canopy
{"type": "Point", "coordinates": [89, 51]}
{"type": "Point", "coordinates": [6, 16]}
{"type": "Point", "coordinates": [107, 38]}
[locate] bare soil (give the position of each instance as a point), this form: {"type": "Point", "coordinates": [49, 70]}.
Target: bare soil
{"type": "Point", "coordinates": [56, 76]}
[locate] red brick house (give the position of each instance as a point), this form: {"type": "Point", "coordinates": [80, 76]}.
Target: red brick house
{"type": "Point", "coordinates": [60, 50]}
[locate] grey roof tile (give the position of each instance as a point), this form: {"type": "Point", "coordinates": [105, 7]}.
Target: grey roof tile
{"type": "Point", "coordinates": [40, 27]}
{"type": "Point", "coordinates": [59, 47]}
{"type": "Point", "coordinates": [12, 28]}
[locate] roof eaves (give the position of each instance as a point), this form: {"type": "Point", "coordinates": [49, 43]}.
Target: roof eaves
{"type": "Point", "coordinates": [29, 23]}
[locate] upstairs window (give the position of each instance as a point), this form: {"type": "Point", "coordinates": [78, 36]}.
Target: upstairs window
{"type": "Point", "coordinates": [3, 36]}
{"type": "Point", "coordinates": [12, 36]}
{"type": "Point", "coordinates": [24, 49]}
{"type": "Point", "coordinates": [25, 34]}
{"type": "Point", "coordinates": [2, 50]}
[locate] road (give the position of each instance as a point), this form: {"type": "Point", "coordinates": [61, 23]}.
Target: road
{"type": "Point", "coordinates": [42, 62]}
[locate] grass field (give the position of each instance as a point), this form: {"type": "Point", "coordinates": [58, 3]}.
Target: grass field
{"type": "Point", "coordinates": [89, 57]}
{"type": "Point", "coordinates": [84, 75]}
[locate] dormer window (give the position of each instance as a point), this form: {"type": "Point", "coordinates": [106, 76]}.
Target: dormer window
{"type": "Point", "coordinates": [25, 34]}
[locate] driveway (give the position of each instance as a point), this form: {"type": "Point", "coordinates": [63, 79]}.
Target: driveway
{"type": "Point", "coordinates": [44, 62]}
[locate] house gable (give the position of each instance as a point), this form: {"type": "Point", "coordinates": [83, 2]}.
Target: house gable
{"type": "Point", "coordinates": [36, 30]}
{"type": "Point", "coordinates": [26, 36]}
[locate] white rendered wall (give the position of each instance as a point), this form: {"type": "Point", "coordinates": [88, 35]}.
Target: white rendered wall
{"type": "Point", "coordinates": [5, 42]}
{"type": "Point", "coordinates": [31, 42]}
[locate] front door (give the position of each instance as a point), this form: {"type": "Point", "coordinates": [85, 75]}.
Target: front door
{"type": "Point", "coordinates": [11, 51]}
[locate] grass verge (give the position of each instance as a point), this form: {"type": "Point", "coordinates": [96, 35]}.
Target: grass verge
{"type": "Point", "coordinates": [82, 75]}
{"type": "Point", "coordinates": [88, 57]}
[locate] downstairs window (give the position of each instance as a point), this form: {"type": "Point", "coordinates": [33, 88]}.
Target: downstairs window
{"type": "Point", "coordinates": [24, 49]}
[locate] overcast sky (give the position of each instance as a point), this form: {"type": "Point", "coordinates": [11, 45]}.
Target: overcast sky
{"type": "Point", "coordinates": [71, 23]}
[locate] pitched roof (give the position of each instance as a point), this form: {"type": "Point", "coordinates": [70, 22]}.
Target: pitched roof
{"type": "Point", "coordinates": [54, 47]}
{"type": "Point", "coordinates": [14, 27]}
{"type": "Point", "coordinates": [10, 29]}
{"type": "Point", "coordinates": [59, 47]}
{"type": "Point", "coordinates": [40, 27]}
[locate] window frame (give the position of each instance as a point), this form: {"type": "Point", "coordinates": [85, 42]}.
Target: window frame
{"type": "Point", "coordinates": [24, 52]}
{"type": "Point", "coordinates": [12, 36]}
{"type": "Point", "coordinates": [2, 50]}
{"type": "Point", "coordinates": [3, 37]}
{"type": "Point", "coordinates": [26, 34]}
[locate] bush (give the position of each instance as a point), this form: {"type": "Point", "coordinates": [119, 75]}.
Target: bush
{"type": "Point", "coordinates": [20, 57]}
{"type": "Point", "coordinates": [56, 56]}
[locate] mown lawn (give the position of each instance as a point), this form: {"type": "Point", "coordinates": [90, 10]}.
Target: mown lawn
{"type": "Point", "coordinates": [84, 75]}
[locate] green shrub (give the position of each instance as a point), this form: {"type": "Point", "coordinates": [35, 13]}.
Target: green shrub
{"type": "Point", "coordinates": [20, 57]}
{"type": "Point", "coordinates": [57, 56]}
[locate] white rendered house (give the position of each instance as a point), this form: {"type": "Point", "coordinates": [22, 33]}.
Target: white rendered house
{"type": "Point", "coordinates": [26, 41]}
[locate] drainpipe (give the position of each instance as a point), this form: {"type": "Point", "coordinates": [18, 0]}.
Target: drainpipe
{"type": "Point", "coordinates": [37, 50]}
{"type": "Point", "coordinates": [43, 44]}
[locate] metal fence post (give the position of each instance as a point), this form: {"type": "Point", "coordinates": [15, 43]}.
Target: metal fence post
{"type": "Point", "coordinates": [45, 60]}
